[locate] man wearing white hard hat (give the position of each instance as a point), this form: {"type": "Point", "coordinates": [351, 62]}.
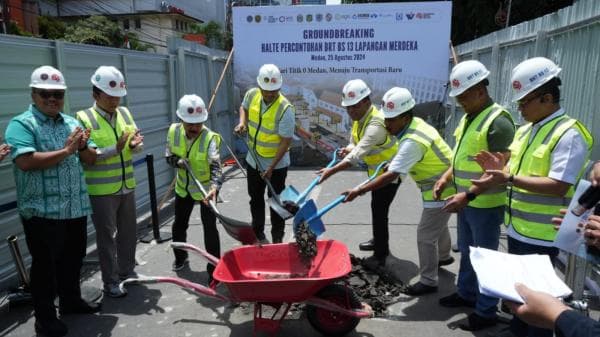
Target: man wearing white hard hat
{"type": "Point", "coordinates": [369, 143]}
{"type": "Point", "coordinates": [548, 157]}
{"type": "Point", "coordinates": [424, 155]}
{"type": "Point", "coordinates": [269, 119]}
{"type": "Point", "coordinates": [485, 126]}
{"type": "Point", "coordinates": [110, 180]}
{"type": "Point", "coordinates": [195, 143]}
{"type": "Point", "coordinates": [48, 147]}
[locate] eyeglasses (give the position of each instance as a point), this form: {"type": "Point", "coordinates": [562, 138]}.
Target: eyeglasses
{"type": "Point", "coordinates": [524, 102]}
{"type": "Point", "coordinates": [47, 94]}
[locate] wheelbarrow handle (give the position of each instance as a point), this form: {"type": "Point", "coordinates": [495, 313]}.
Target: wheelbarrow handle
{"type": "Point", "coordinates": [206, 255]}
{"type": "Point", "coordinates": [315, 181]}
{"type": "Point", "coordinates": [341, 198]}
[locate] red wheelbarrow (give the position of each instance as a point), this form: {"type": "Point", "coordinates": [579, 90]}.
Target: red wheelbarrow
{"type": "Point", "coordinates": [274, 276]}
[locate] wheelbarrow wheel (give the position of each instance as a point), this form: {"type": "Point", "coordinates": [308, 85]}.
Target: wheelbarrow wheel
{"type": "Point", "coordinates": [333, 323]}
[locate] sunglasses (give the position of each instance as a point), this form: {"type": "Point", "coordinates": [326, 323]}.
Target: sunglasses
{"type": "Point", "coordinates": [47, 94]}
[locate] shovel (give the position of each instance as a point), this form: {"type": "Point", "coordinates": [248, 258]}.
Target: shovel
{"type": "Point", "coordinates": [274, 201]}
{"type": "Point", "coordinates": [290, 196]}
{"type": "Point", "coordinates": [309, 214]}
{"type": "Point", "coordinates": [238, 230]}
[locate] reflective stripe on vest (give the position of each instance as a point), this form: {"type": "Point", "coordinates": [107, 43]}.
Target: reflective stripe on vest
{"type": "Point", "coordinates": [107, 176]}
{"type": "Point", "coordinates": [263, 128]}
{"type": "Point", "coordinates": [378, 153]}
{"type": "Point", "coordinates": [530, 214]}
{"type": "Point", "coordinates": [470, 140]}
{"type": "Point", "coordinates": [435, 161]}
{"type": "Point", "coordinates": [197, 156]}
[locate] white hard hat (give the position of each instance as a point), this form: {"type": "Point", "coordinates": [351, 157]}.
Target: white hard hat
{"type": "Point", "coordinates": [465, 75]}
{"type": "Point", "coordinates": [397, 101]}
{"type": "Point", "coordinates": [191, 109]}
{"type": "Point", "coordinates": [110, 80]}
{"type": "Point", "coordinates": [269, 77]}
{"type": "Point", "coordinates": [354, 91]}
{"type": "Point", "coordinates": [47, 77]}
{"type": "Point", "coordinates": [531, 74]}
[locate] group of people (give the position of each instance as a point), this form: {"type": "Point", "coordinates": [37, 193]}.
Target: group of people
{"type": "Point", "coordinates": [67, 168]}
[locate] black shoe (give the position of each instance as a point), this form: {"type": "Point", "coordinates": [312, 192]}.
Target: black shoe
{"type": "Point", "coordinates": [455, 301]}
{"type": "Point", "coordinates": [367, 246]}
{"type": "Point", "coordinates": [446, 262]}
{"type": "Point", "coordinates": [475, 322]}
{"type": "Point", "coordinates": [82, 307]}
{"type": "Point", "coordinates": [419, 288]}
{"type": "Point", "coordinates": [178, 265]}
{"type": "Point", "coordinates": [52, 327]}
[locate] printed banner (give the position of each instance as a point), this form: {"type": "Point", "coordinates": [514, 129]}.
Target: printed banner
{"type": "Point", "coordinates": [320, 48]}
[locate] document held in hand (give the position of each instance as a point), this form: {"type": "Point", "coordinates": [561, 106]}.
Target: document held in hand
{"type": "Point", "coordinates": [498, 272]}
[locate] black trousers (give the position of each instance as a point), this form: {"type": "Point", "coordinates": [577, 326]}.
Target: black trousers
{"type": "Point", "coordinates": [183, 210]}
{"type": "Point", "coordinates": [57, 249]}
{"type": "Point", "coordinates": [256, 191]}
{"type": "Point", "coordinates": [381, 199]}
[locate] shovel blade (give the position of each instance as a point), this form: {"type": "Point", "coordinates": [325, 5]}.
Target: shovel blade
{"type": "Point", "coordinates": [289, 194]}
{"type": "Point", "coordinates": [239, 230]}
{"type": "Point", "coordinates": [306, 211]}
{"type": "Point", "coordinates": [316, 226]}
{"type": "Point", "coordinates": [280, 210]}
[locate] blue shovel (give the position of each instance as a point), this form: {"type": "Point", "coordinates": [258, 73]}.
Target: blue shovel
{"type": "Point", "coordinates": [309, 214]}
{"type": "Point", "coordinates": [291, 196]}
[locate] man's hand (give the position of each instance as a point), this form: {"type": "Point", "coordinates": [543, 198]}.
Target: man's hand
{"type": "Point", "coordinates": [4, 150]}
{"type": "Point", "coordinates": [595, 174]}
{"type": "Point", "coordinates": [211, 196]}
{"type": "Point", "coordinates": [343, 152]}
{"type": "Point", "coordinates": [438, 188]}
{"type": "Point", "coordinates": [240, 129]}
{"type": "Point", "coordinates": [122, 141]}
{"type": "Point", "coordinates": [183, 163]}
{"type": "Point", "coordinates": [456, 202]}
{"type": "Point", "coordinates": [592, 231]}
{"type": "Point", "coordinates": [557, 220]}
{"type": "Point", "coordinates": [267, 173]}
{"type": "Point", "coordinates": [72, 142]}
{"type": "Point", "coordinates": [351, 194]}
{"type": "Point", "coordinates": [540, 309]}
{"type": "Point", "coordinates": [491, 178]}
{"type": "Point", "coordinates": [490, 161]}
{"type": "Point", "coordinates": [136, 140]}
{"type": "Point", "coordinates": [325, 173]}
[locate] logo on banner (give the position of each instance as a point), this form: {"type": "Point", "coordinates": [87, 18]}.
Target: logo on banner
{"type": "Point", "coordinates": [249, 18]}
{"type": "Point", "coordinates": [328, 17]}
{"type": "Point", "coordinates": [272, 19]}
{"type": "Point", "coordinates": [299, 18]}
{"type": "Point", "coordinates": [257, 18]}
{"type": "Point", "coordinates": [286, 18]}
{"type": "Point", "coordinates": [319, 17]}
{"type": "Point", "coordinates": [309, 17]}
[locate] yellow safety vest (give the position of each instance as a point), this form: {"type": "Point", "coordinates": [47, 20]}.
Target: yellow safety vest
{"type": "Point", "coordinates": [378, 153]}
{"type": "Point", "coordinates": [197, 156]}
{"type": "Point", "coordinates": [107, 176]}
{"type": "Point", "coordinates": [531, 213]}
{"type": "Point", "coordinates": [435, 161]}
{"type": "Point", "coordinates": [470, 140]}
{"type": "Point", "coordinates": [263, 128]}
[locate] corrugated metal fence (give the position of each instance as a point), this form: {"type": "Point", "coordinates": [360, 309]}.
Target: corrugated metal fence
{"type": "Point", "coordinates": [154, 83]}
{"type": "Point", "coordinates": [569, 37]}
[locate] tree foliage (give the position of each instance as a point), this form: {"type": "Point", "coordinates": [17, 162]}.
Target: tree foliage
{"type": "Point", "coordinates": [97, 30]}
{"type": "Point", "coordinates": [215, 36]}
{"type": "Point", "coordinates": [51, 28]}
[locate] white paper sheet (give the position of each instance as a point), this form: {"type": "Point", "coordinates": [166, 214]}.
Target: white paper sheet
{"type": "Point", "coordinates": [498, 272]}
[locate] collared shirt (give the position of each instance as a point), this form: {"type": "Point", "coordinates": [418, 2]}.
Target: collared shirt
{"type": "Point", "coordinates": [286, 130]}
{"type": "Point", "coordinates": [409, 153]}
{"type": "Point", "coordinates": [567, 159]}
{"type": "Point", "coordinates": [375, 134]}
{"type": "Point", "coordinates": [58, 192]}
{"type": "Point", "coordinates": [110, 151]}
{"type": "Point", "coordinates": [214, 161]}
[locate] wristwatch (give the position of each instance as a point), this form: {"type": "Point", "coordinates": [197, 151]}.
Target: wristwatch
{"type": "Point", "coordinates": [510, 181]}
{"type": "Point", "coordinates": [471, 196]}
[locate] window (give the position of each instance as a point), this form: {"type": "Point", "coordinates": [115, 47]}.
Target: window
{"type": "Point", "coordinates": [138, 23]}
{"type": "Point", "coordinates": [126, 24]}
{"type": "Point", "coordinates": [186, 26]}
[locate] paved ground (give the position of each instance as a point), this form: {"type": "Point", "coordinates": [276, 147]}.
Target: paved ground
{"type": "Point", "coordinates": [166, 310]}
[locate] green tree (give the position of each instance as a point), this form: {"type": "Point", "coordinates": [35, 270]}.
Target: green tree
{"type": "Point", "coordinates": [51, 28]}
{"type": "Point", "coordinates": [215, 37]}
{"type": "Point", "coordinates": [97, 30]}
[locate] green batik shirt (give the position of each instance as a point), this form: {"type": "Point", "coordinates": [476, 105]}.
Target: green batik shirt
{"type": "Point", "coordinates": [58, 192]}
